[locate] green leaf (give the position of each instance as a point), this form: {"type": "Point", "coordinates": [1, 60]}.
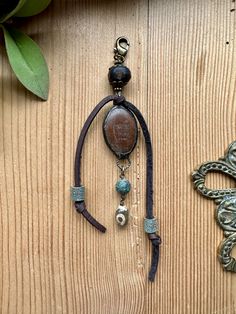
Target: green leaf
{"type": "Point", "coordinates": [7, 6]}
{"type": "Point", "coordinates": [13, 11]}
{"type": "Point", "coordinates": [27, 61]}
{"type": "Point", "coordinates": [32, 7]}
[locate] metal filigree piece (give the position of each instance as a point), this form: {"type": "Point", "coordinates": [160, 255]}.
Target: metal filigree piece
{"type": "Point", "coordinates": [226, 214]}
{"type": "Point", "coordinates": [226, 201]}
{"type": "Point", "coordinates": [224, 253]}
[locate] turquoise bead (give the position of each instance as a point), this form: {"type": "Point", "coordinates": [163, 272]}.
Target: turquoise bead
{"type": "Point", "coordinates": [123, 186]}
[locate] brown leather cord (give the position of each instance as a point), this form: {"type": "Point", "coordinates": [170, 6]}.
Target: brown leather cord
{"type": "Point", "coordinates": [81, 207]}
{"type": "Point", "coordinates": [155, 239]}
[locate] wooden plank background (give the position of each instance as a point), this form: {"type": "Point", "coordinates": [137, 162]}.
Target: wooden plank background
{"type": "Point", "coordinates": [182, 59]}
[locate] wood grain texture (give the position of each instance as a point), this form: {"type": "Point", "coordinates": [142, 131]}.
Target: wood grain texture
{"type": "Point", "coordinates": [182, 59]}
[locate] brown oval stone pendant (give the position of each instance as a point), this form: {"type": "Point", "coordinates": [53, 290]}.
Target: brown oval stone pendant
{"type": "Point", "coordinates": [120, 131]}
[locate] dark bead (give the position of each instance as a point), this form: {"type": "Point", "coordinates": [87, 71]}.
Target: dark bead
{"type": "Point", "coordinates": [119, 75]}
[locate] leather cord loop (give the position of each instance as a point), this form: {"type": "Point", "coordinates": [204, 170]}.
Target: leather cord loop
{"type": "Point", "coordinates": [84, 131]}
{"type": "Point", "coordinates": [81, 207]}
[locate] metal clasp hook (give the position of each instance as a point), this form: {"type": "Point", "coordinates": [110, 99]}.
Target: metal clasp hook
{"type": "Point", "coordinates": [122, 46]}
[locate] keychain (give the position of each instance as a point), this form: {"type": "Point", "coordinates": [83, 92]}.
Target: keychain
{"type": "Point", "coordinates": [120, 132]}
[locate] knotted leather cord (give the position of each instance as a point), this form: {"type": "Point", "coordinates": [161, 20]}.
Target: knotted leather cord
{"type": "Point", "coordinates": [81, 207]}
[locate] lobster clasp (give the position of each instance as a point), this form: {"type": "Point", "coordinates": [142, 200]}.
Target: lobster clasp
{"type": "Point", "coordinates": [121, 48]}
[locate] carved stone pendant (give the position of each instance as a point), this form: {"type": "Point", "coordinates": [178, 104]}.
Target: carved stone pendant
{"type": "Point", "coordinates": [120, 131]}
{"type": "Point", "coordinates": [226, 201]}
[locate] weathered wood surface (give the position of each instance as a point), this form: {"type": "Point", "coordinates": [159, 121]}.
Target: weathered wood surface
{"type": "Point", "coordinates": [182, 59]}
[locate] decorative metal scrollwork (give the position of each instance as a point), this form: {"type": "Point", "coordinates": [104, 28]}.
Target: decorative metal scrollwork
{"type": "Point", "coordinates": [226, 201]}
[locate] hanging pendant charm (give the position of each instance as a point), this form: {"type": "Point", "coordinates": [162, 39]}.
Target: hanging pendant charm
{"type": "Point", "coordinates": [226, 201]}
{"type": "Point", "coordinates": [122, 215]}
{"type": "Point", "coordinates": [123, 187]}
{"type": "Point", "coordinates": [120, 132]}
{"type": "Point", "coordinates": [120, 128]}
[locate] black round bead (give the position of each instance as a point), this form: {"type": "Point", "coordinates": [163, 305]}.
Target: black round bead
{"type": "Point", "coordinates": [119, 75]}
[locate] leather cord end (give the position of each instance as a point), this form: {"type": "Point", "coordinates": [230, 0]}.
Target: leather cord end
{"type": "Point", "coordinates": [156, 241]}
{"type": "Point", "coordinates": [81, 208]}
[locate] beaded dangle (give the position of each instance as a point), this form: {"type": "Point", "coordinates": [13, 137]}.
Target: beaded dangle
{"type": "Point", "coordinates": [120, 127]}
{"type": "Point", "coordinates": [120, 132]}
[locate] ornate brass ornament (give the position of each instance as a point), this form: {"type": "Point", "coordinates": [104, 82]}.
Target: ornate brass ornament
{"type": "Point", "coordinates": [226, 201]}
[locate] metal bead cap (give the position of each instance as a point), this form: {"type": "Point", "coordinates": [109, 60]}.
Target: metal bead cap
{"type": "Point", "coordinates": [150, 225]}
{"type": "Point", "coordinates": [77, 193]}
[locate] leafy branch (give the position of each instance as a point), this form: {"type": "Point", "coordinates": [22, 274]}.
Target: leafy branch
{"type": "Point", "coordinates": [24, 55]}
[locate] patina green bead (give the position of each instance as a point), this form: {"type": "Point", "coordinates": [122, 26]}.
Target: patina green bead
{"type": "Point", "coordinates": [123, 186]}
